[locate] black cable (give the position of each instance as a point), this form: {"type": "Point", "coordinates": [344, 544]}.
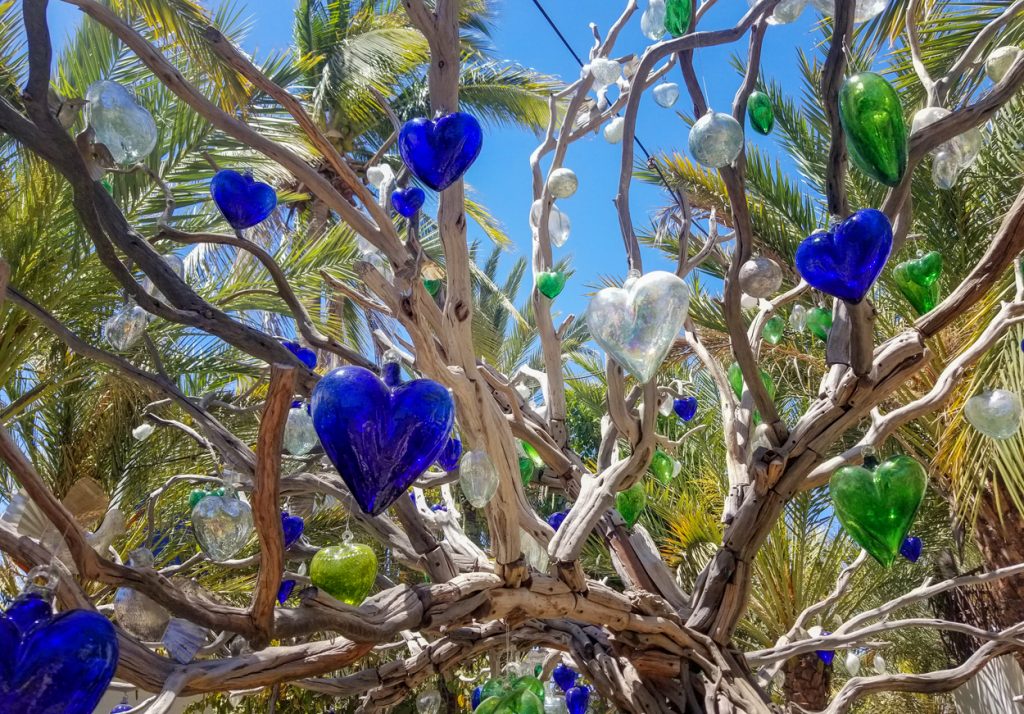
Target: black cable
{"type": "Point", "coordinates": [558, 32]}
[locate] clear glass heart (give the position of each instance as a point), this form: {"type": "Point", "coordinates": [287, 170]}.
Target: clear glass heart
{"type": "Point", "coordinates": [995, 413]}
{"type": "Point", "coordinates": [125, 327]}
{"type": "Point", "coordinates": [121, 124]}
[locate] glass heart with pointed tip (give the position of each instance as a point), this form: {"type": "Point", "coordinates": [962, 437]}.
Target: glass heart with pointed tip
{"type": "Point", "coordinates": [819, 322]}
{"type": "Point", "coordinates": [685, 408]}
{"type": "Point", "coordinates": [926, 269]}
{"type": "Point", "coordinates": [408, 201]}
{"type": "Point", "coordinates": [243, 200]}
{"type": "Point", "coordinates": [292, 527]}
{"type": "Point", "coordinates": [345, 572]}
{"type": "Point", "coordinates": [380, 438]}
{"type": "Point", "coordinates": [125, 328]}
{"type": "Point", "coordinates": [845, 260]}
{"type": "Point", "coordinates": [577, 700]}
{"type": "Point", "coordinates": [285, 591]}
{"type": "Point", "coordinates": [664, 467]}
{"type": "Point", "coordinates": [995, 413]}
{"type": "Point", "coordinates": [305, 355]}
{"type": "Point", "coordinates": [222, 525]}
{"type": "Point", "coordinates": [773, 330]}
{"type": "Point", "coordinates": [550, 283]}
{"type": "Point", "coordinates": [876, 504]}
{"type": "Point", "coordinates": [440, 152]}
{"type": "Point", "coordinates": [638, 324]}
{"type": "Point", "coordinates": [564, 676]}
{"type": "Point", "coordinates": [121, 124]}
{"type": "Point", "coordinates": [916, 281]}
{"type": "Point", "coordinates": [555, 519]}
{"type": "Point", "coordinates": [631, 503]}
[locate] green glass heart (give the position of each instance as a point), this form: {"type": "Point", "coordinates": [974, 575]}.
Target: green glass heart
{"type": "Point", "coordinates": [199, 494]}
{"type": "Point", "coordinates": [550, 283]}
{"type": "Point", "coordinates": [526, 469]}
{"type": "Point", "coordinates": [493, 688]}
{"type": "Point", "coordinates": [921, 297]}
{"type": "Point", "coordinates": [926, 269]}
{"type": "Point", "coordinates": [519, 701]}
{"type": "Point", "coordinates": [736, 380]}
{"type": "Point", "coordinates": [819, 321]}
{"type": "Point", "coordinates": [631, 502]}
{"type": "Point", "coordinates": [345, 572]}
{"type": "Point", "coordinates": [872, 119]}
{"type": "Point", "coordinates": [759, 111]}
{"type": "Point", "coordinates": [677, 16]}
{"type": "Point", "coordinates": [663, 466]}
{"type": "Point", "coordinates": [432, 286]}
{"type": "Point", "coordinates": [876, 504]}
{"type": "Point", "coordinates": [534, 456]}
{"type": "Point", "coordinates": [531, 684]}
{"type": "Point", "coordinates": [773, 330]}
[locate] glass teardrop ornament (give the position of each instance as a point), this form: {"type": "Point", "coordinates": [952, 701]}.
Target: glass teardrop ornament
{"type": "Point", "coordinates": [478, 478]}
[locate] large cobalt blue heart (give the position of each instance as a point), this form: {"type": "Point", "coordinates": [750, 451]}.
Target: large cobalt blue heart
{"type": "Point", "coordinates": [243, 200]}
{"type": "Point", "coordinates": [408, 201]}
{"type": "Point", "coordinates": [845, 260]}
{"type": "Point", "coordinates": [380, 439]}
{"type": "Point", "coordinates": [440, 152]}
{"type": "Point", "coordinates": [59, 665]}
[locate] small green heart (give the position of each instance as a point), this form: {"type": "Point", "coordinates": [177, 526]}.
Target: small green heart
{"type": "Point", "coordinates": [432, 286]}
{"type": "Point", "coordinates": [876, 505]}
{"type": "Point", "coordinates": [345, 572]}
{"type": "Point", "coordinates": [526, 469]}
{"type": "Point", "coordinates": [663, 466]}
{"type": "Point", "coordinates": [550, 283]}
{"type": "Point", "coordinates": [631, 502]}
{"type": "Point", "coordinates": [819, 321]}
{"type": "Point", "coordinates": [926, 269]}
{"type": "Point", "coordinates": [736, 380]}
{"type": "Point", "coordinates": [921, 297]}
{"type": "Point", "coordinates": [773, 330]}
{"type": "Point", "coordinates": [759, 111]}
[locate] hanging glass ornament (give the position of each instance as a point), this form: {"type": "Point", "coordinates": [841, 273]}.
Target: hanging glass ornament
{"type": "Point", "coordinates": [428, 702]}
{"type": "Point", "coordinates": [917, 280]}
{"type": "Point", "coordinates": [872, 119]}
{"type": "Point", "coordinates": [536, 555]}
{"type": "Point", "coordinates": [760, 277]}
{"type": "Point", "coordinates": [564, 676]}
{"type": "Point", "coordinates": [664, 467]}
{"type": "Point", "coordinates": [665, 405]}
{"type": "Point", "coordinates": [826, 656]}
{"type": "Point", "coordinates": [678, 14]}
{"type": "Point", "coordinates": [478, 478]}
{"type": "Point", "coordinates": [785, 12]}
{"type": "Point", "coordinates": [852, 663]}
{"type": "Point", "coordinates": [638, 323]}
{"type": "Point", "coordinates": [879, 664]}
{"type": "Point", "coordinates": [143, 431]}
{"type": "Point", "coordinates": [125, 328]}
{"type": "Point", "coordinates": [121, 124]}
{"type": "Point", "coordinates": [550, 283]}
{"type": "Point", "coordinates": [652, 21]}
{"type": "Point", "coordinates": [516, 701]}
{"type": "Point", "coordinates": [951, 157]}
{"type": "Point", "coordinates": [381, 435]}
{"type": "Point", "coordinates": [748, 302]}
{"type": "Point", "coordinates": [346, 572]}
{"type": "Point", "coordinates": [995, 413]}
{"type": "Point", "coordinates": [845, 260]}
{"type": "Point", "coordinates": [716, 139]}
{"type": "Point", "coordinates": [605, 72]}
{"type": "Point", "coordinates": [285, 591]}
{"type": "Point", "coordinates": [449, 457]}
{"type": "Point", "coordinates": [685, 408]}
{"type": "Point", "coordinates": [666, 94]}
{"type": "Point", "coordinates": [798, 318]}
{"type": "Point", "coordinates": [559, 225]}
{"type": "Point", "coordinates": [123, 707]}
{"type": "Point", "coordinates": [555, 519]}
{"type": "Point", "coordinates": [299, 434]}
{"type": "Point", "coordinates": [876, 503]}
{"type": "Point", "coordinates": [379, 175]}
{"type": "Point", "coordinates": [431, 286]}
{"type": "Point", "coordinates": [945, 169]}
{"type": "Point", "coordinates": [819, 321]}
{"type": "Point", "coordinates": [554, 699]}
{"type": "Point", "coordinates": [773, 330]}
{"type": "Point", "coordinates": [304, 354]}
{"type": "Point", "coordinates": [562, 183]}
{"type": "Point", "coordinates": [53, 663]}
{"type": "Point", "coordinates": [577, 699]}
{"type": "Point", "coordinates": [408, 201]}
{"type": "Point", "coordinates": [136, 612]}
{"type": "Point", "coordinates": [614, 129]}
{"type": "Point", "coordinates": [476, 697]}
{"type": "Point", "coordinates": [631, 503]}
{"type": "Point", "coordinates": [177, 266]}
{"type": "Point", "coordinates": [736, 381]}
{"type": "Point", "coordinates": [911, 548]}
{"type": "Point", "coordinates": [865, 10]}
{"type": "Point", "coordinates": [440, 152]}
{"type": "Point", "coordinates": [999, 62]}
{"type": "Point", "coordinates": [760, 113]}
{"type": "Point", "coordinates": [242, 200]}
{"type": "Point", "coordinates": [222, 524]}
{"type": "Point", "coordinates": [292, 527]}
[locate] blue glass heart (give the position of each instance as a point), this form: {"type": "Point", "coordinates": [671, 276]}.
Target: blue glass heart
{"type": "Point", "coordinates": [285, 591]}
{"type": "Point", "coordinates": [478, 693]}
{"type": "Point", "coordinates": [911, 548]}
{"type": "Point", "coordinates": [292, 527]}
{"type": "Point", "coordinates": [440, 152]}
{"type": "Point", "coordinates": [408, 201]}
{"type": "Point", "coordinates": [121, 708]}
{"type": "Point", "coordinates": [564, 676]}
{"type": "Point", "coordinates": [577, 699]}
{"type": "Point", "coordinates": [60, 665]}
{"type": "Point", "coordinates": [439, 508]}
{"type": "Point", "coordinates": [243, 200]}
{"type": "Point", "coordinates": [826, 656]}
{"type": "Point", "coordinates": [845, 260]}
{"type": "Point", "coordinates": [380, 438]}
{"type": "Point", "coordinates": [305, 355]}
{"type": "Point", "coordinates": [450, 454]}
{"type": "Point", "coordinates": [555, 519]}
{"type": "Point", "coordinates": [685, 408]}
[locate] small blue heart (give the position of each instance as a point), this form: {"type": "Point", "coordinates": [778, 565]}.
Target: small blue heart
{"type": "Point", "coordinates": [243, 200]}
{"type": "Point", "coordinates": [564, 676]}
{"type": "Point", "coordinates": [555, 519]}
{"type": "Point", "coordinates": [845, 260]}
{"type": "Point", "coordinates": [478, 694]}
{"type": "Point", "coordinates": [685, 408]}
{"type": "Point", "coordinates": [911, 548]}
{"type": "Point", "coordinates": [408, 201]}
{"type": "Point", "coordinates": [577, 700]}
{"type": "Point", "coordinates": [440, 152]}
{"type": "Point", "coordinates": [826, 656]}
{"type": "Point", "coordinates": [449, 457]}
{"type": "Point", "coordinates": [305, 355]}
{"type": "Point", "coordinates": [293, 526]}
{"type": "Point", "coordinates": [285, 591]}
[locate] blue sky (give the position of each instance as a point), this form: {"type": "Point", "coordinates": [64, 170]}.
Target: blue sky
{"type": "Point", "coordinates": [501, 176]}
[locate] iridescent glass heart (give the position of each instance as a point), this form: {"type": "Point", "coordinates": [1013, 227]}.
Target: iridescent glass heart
{"type": "Point", "coordinates": [222, 525]}
{"type": "Point", "coordinates": [121, 124]}
{"type": "Point", "coordinates": [995, 413]}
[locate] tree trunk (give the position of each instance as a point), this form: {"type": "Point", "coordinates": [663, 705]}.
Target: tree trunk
{"type": "Point", "coordinates": [807, 681]}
